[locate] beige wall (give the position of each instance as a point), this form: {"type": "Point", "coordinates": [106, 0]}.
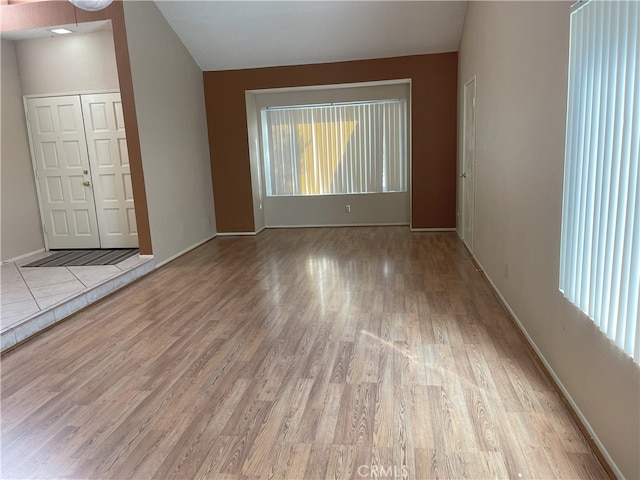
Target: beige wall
{"type": "Point", "coordinates": [519, 52]}
{"type": "Point", "coordinates": [20, 214]}
{"type": "Point", "coordinates": [169, 100]}
{"type": "Point", "coordinates": [68, 64]}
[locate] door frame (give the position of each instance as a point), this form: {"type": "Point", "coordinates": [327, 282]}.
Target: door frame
{"type": "Point", "coordinates": [25, 98]}
{"type": "Point", "coordinates": [469, 216]}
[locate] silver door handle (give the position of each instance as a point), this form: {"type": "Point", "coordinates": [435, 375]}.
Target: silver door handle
{"type": "Point", "coordinates": [86, 183]}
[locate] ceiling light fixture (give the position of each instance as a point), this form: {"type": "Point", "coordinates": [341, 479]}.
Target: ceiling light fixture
{"type": "Point", "coordinates": [60, 31]}
{"type": "Point", "coordinates": [91, 5]}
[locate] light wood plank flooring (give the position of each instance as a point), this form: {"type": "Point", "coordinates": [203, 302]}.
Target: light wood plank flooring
{"type": "Point", "coordinates": [296, 354]}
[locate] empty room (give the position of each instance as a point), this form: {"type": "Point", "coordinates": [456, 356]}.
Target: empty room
{"type": "Point", "coordinates": [319, 239]}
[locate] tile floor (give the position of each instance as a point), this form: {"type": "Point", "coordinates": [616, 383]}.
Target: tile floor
{"type": "Point", "coordinates": [32, 298]}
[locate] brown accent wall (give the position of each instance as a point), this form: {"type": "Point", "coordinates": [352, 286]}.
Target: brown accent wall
{"type": "Point", "coordinates": [434, 111]}
{"type": "Point", "coordinates": [50, 13]}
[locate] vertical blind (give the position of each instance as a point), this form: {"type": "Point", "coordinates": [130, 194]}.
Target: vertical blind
{"type": "Point", "coordinates": [600, 247]}
{"type": "Point", "coordinates": [335, 149]}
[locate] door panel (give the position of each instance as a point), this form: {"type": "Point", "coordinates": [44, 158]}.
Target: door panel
{"type": "Point", "coordinates": [83, 222]}
{"type": "Point", "coordinates": [59, 146]}
{"type": "Point", "coordinates": [110, 170]}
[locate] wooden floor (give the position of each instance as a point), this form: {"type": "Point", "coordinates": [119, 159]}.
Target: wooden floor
{"type": "Point", "coordinates": [296, 354]}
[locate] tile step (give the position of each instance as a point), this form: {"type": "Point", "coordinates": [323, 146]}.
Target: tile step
{"type": "Point", "coordinates": [41, 320]}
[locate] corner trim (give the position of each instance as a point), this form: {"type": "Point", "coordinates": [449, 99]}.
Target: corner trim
{"type": "Point", "coordinates": [25, 255]}
{"type": "Point", "coordinates": [576, 413]}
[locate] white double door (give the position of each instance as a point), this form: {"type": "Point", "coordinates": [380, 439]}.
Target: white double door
{"type": "Point", "coordinates": [82, 171]}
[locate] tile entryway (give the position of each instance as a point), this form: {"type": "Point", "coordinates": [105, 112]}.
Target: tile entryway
{"type": "Point", "coordinates": [33, 298]}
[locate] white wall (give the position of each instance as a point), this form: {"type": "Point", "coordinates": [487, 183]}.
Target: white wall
{"type": "Point", "coordinates": [169, 97]}
{"type": "Point", "coordinates": [68, 64]}
{"type": "Point", "coordinates": [366, 209]}
{"type": "Point", "coordinates": [20, 214]}
{"type": "Point", "coordinates": [519, 52]}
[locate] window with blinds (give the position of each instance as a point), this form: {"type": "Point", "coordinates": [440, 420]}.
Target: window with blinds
{"type": "Point", "coordinates": [600, 245]}
{"type": "Point", "coordinates": [345, 148]}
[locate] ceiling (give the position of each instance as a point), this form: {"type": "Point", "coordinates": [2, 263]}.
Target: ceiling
{"type": "Point", "coordinates": [226, 35]}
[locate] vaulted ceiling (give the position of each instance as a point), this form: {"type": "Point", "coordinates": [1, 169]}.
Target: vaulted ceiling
{"type": "Point", "coordinates": [225, 35]}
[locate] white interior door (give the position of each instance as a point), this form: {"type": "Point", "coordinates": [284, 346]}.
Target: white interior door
{"type": "Point", "coordinates": [62, 170]}
{"type": "Point", "coordinates": [110, 171]}
{"type": "Point", "coordinates": [467, 176]}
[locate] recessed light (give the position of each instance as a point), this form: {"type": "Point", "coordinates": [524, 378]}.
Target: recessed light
{"type": "Point", "coordinates": [60, 31]}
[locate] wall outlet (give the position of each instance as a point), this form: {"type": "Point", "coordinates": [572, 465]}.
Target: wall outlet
{"type": "Point", "coordinates": [347, 209]}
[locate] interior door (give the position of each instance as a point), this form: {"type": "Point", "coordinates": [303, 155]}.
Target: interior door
{"type": "Point", "coordinates": [61, 166]}
{"type": "Point", "coordinates": [110, 171]}
{"type": "Point", "coordinates": [467, 176]}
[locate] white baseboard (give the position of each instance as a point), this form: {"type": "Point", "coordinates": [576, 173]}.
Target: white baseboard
{"type": "Point", "coordinates": [239, 234]}
{"type": "Point", "coordinates": [182, 252]}
{"type": "Point", "coordinates": [433, 229]}
{"type": "Point", "coordinates": [26, 255]}
{"type": "Point", "coordinates": [244, 234]}
{"type": "Point", "coordinates": [332, 225]}
{"type": "Point", "coordinates": [556, 379]}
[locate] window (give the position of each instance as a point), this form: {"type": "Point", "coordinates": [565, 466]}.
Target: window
{"type": "Point", "coordinates": [341, 148]}
{"type": "Point", "coordinates": [600, 247]}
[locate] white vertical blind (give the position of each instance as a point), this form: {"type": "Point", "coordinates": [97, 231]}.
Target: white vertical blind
{"type": "Point", "coordinates": [600, 248]}
{"type": "Point", "coordinates": [335, 149]}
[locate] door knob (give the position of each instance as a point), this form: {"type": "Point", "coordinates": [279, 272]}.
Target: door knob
{"type": "Point", "coordinates": [86, 172]}
{"type": "Point", "coordinates": [463, 175]}
{"type": "Point", "coordinates": [86, 183]}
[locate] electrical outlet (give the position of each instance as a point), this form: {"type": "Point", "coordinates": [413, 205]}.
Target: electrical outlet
{"type": "Point", "coordinates": [347, 209]}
